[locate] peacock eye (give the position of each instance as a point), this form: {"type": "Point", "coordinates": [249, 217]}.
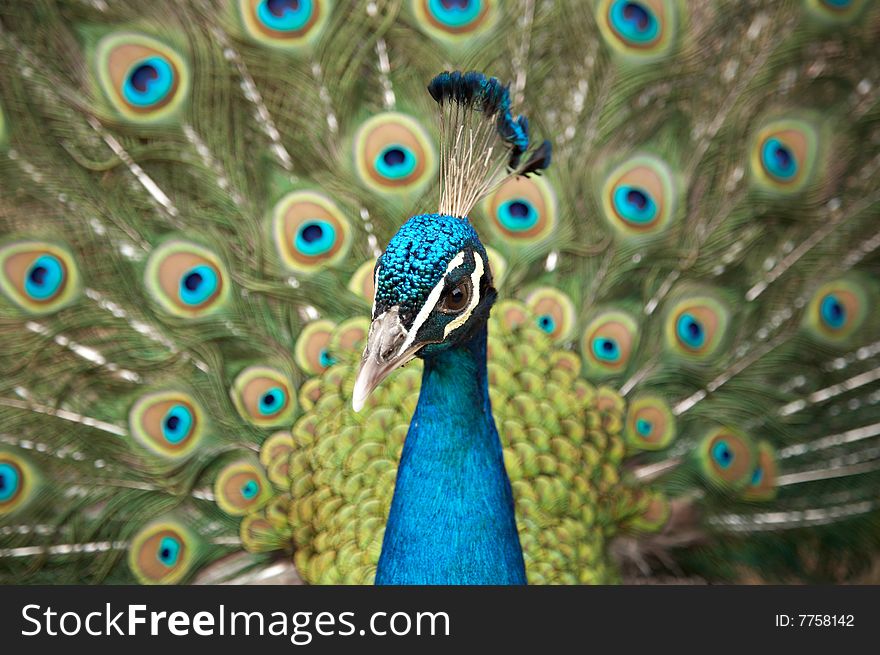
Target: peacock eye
{"type": "Point", "coordinates": [456, 298]}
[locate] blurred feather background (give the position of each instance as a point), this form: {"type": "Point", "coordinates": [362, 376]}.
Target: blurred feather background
{"type": "Point", "coordinates": [685, 358]}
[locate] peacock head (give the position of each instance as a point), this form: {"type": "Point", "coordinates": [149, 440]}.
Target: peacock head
{"type": "Point", "coordinates": [433, 290]}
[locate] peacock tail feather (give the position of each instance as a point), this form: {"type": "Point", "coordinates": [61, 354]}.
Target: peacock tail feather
{"type": "Point", "coordinates": [684, 362]}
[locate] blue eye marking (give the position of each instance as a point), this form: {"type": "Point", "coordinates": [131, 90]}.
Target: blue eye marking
{"type": "Point", "coordinates": [757, 476]}
{"type": "Point", "coordinates": [250, 489]}
{"type": "Point", "coordinates": [285, 15]}
{"type": "Point", "coordinates": [44, 277]}
{"type": "Point", "coordinates": [690, 331]}
{"type": "Point", "coordinates": [198, 284]}
{"type": "Point", "coordinates": [644, 427]}
{"type": "Point", "coordinates": [169, 551]}
{"type": "Point", "coordinates": [148, 82]}
{"type": "Point", "coordinates": [634, 205]}
{"type": "Point", "coordinates": [9, 481]}
{"type": "Point", "coordinates": [722, 454]}
{"type": "Point", "coordinates": [315, 237]}
{"type": "Point", "coordinates": [395, 162]}
{"type": "Point", "coordinates": [606, 349]}
{"type": "Point", "coordinates": [272, 401]}
{"type": "Point", "coordinates": [634, 21]}
{"type": "Point", "coordinates": [546, 323]}
{"type": "Point", "coordinates": [832, 311]}
{"type": "Point", "coordinates": [455, 13]}
{"type": "Point", "coordinates": [177, 424]}
{"type": "Point", "coordinates": [325, 359]}
{"type": "Point", "coordinates": [778, 159]}
{"type": "Point", "coordinates": [517, 215]}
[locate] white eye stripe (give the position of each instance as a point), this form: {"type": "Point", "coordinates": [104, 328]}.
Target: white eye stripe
{"type": "Point", "coordinates": [462, 318]}
{"type": "Point", "coordinates": [431, 302]}
{"type": "Point", "coordinates": [375, 288]}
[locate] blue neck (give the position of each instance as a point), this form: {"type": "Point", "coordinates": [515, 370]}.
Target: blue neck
{"type": "Point", "coordinates": [451, 519]}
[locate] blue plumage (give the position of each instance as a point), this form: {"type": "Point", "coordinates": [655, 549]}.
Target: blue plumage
{"type": "Point", "coordinates": [44, 277]}
{"type": "Point", "coordinates": [685, 344]}
{"type": "Point", "coordinates": [488, 96]}
{"type": "Point", "coordinates": [416, 258]}
{"type": "Point", "coordinates": [452, 516]}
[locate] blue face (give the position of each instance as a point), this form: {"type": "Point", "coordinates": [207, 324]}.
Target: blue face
{"type": "Point", "coordinates": [436, 272]}
{"type": "Point", "coordinates": [433, 289]}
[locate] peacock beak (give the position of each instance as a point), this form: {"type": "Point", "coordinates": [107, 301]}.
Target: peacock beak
{"type": "Point", "coordinates": [387, 349]}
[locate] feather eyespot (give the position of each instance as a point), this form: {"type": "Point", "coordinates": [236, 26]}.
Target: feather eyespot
{"type": "Point", "coordinates": [144, 79]}
{"type": "Point", "coordinates": [186, 279]}
{"type": "Point", "coordinates": [636, 203]}
{"type": "Point", "coordinates": [727, 458]}
{"type": "Point", "coordinates": [242, 487]}
{"type": "Point", "coordinates": [161, 553]}
{"type": "Point", "coordinates": [148, 82]}
{"type": "Point", "coordinates": [264, 396]}
{"type": "Point", "coordinates": [522, 210]}
{"type": "Point", "coordinates": [167, 423]}
{"type": "Point", "coordinates": [696, 326]}
{"type": "Point", "coordinates": [16, 482]}
{"type": "Point", "coordinates": [784, 155]}
{"type": "Point", "coordinates": [638, 197]}
{"type": "Point", "coordinates": [310, 231]}
{"type": "Point", "coordinates": [289, 24]}
{"type": "Point", "coordinates": [778, 159]}
{"type": "Point", "coordinates": [762, 483]}
{"type": "Point", "coordinates": [640, 28]}
{"type": "Point", "coordinates": [315, 237]}
{"type": "Point", "coordinates": [198, 284]}
{"type": "Point", "coordinates": [312, 350]}
{"type": "Point", "coordinates": [836, 11]}
{"type": "Point", "coordinates": [832, 311]}
{"type": "Point", "coordinates": [393, 153]}
{"type": "Point", "coordinates": [838, 309]}
{"type": "Point", "coordinates": [690, 331]}
{"type": "Point", "coordinates": [44, 277]}
{"type": "Point", "coordinates": [395, 161]}
{"type": "Point", "coordinates": [517, 214]}
{"type": "Point", "coordinates": [547, 323]}
{"type": "Point", "coordinates": [634, 21]}
{"type": "Point", "coordinates": [608, 343]}
{"type": "Point", "coordinates": [453, 20]}
{"type": "Point", "coordinates": [650, 424]}
{"type": "Point", "coordinates": [10, 480]}
{"type": "Point", "coordinates": [553, 312]}
{"type": "Point", "coordinates": [37, 276]}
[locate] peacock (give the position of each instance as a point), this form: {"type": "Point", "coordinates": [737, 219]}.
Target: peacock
{"type": "Point", "coordinates": [292, 290]}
